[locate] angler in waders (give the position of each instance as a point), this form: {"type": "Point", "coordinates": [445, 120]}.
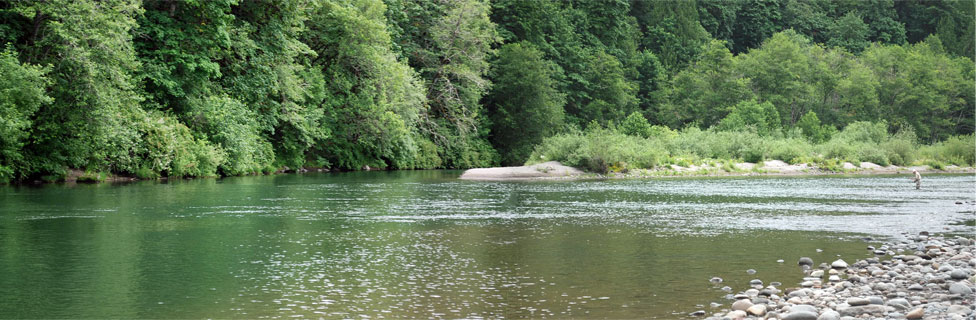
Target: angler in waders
{"type": "Point", "coordinates": [917, 179]}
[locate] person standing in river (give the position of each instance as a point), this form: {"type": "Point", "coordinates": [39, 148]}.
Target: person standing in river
{"type": "Point", "coordinates": [917, 178]}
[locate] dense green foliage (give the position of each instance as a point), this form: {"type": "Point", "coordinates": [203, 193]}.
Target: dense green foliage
{"type": "Point", "coordinates": [527, 107]}
{"type": "Point", "coordinates": [162, 88]}
{"type": "Point", "coordinates": [21, 95]}
{"type": "Point", "coordinates": [619, 149]}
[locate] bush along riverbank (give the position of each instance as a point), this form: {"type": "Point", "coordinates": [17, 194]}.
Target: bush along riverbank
{"type": "Point", "coordinates": [638, 146]}
{"type": "Point", "coordinates": [933, 279]}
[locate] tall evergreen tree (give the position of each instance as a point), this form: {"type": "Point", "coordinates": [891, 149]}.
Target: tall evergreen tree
{"type": "Point", "coordinates": [524, 103]}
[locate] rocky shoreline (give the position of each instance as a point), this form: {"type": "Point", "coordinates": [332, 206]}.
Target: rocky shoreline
{"type": "Point", "coordinates": [554, 170]}
{"type": "Point", "coordinates": [924, 278]}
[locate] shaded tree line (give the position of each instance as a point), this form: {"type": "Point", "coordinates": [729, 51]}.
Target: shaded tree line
{"type": "Point", "coordinates": [172, 88]}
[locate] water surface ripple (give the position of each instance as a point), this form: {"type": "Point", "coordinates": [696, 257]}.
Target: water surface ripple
{"type": "Point", "coordinates": [423, 244]}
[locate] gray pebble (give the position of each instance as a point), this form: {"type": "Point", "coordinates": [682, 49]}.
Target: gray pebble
{"type": "Point", "coordinates": [803, 308]}
{"type": "Point", "coordinates": [858, 301]}
{"type": "Point", "coordinates": [839, 264]}
{"type": "Point", "coordinates": [960, 289]}
{"type": "Point", "coordinates": [801, 315]}
{"type": "Point", "coordinates": [859, 310]}
{"type": "Point", "coordinates": [829, 315]}
{"type": "Point", "coordinates": [959, 274]}
{"type": "Point", "coordinates": [900, 304]}
{"type": "Point", "coordinates": [959, 309]}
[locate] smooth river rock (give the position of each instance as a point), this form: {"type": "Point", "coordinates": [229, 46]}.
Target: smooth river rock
{"type": "Point", "coordinates": [859, 310]}
{"type": "Point", "coordinates": [801, 315]}
{"type": "Point", "coordinates": [757, 310]}
{"type": "Point", "coordinates": [858, 301]}
{"type": "Point", "coordinates": [805, 261]}
{"type": "Point", "coordinates": [737, 314]}
{"type": "Point", "coordinates": [960, 288]}
{"type": "Point", "coordinates": [804, 308]}
{"type": "Point", "coordinates": [916, 314]}
{"type": "Point", "coordinates": [829, 315]}
{"type": "Point", "coordinates": [959, 274]}
{"type": "Point", "coordinates": [742, 304]}
{"type": "Point", "coordinates": [900, 303]}
{"type": "Point", "coordinates": [958, 309]}
{"type": "Point", "coordinates": [838, 264]}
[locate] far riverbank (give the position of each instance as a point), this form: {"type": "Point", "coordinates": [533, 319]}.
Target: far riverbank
{"type": "Point", "coordinates": [554, 170]}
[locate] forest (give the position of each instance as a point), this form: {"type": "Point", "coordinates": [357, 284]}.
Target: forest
{"type": "Point", "coordinates": [200, 88]}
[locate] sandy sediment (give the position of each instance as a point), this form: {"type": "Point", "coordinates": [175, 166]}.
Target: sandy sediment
{"type": "Point", "coordinates": [539, 171]}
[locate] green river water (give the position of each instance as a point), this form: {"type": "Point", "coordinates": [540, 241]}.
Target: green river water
{"type": "Point", "coordinates": [423, 244]}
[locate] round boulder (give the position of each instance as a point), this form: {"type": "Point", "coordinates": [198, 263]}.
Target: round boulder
{"type": "Point", "coordinates": [829, 315]}
{"type": "Point", "coordinates": [757, 310]}
{"type": "Point", "coordinates": [805, 261]}
{"type": "Point", "coordinates": [916, 314]}
{"type": "Point", "coordinates": [858, 301]}
{"type": "Point", "coordinates": [961, 289]}
{"type": "Point", "coordinates": [959, 274]}
{"type": "Point", "coordinates": [801, 315]}
{"type": "Point", "coordinates": [743, 304]}
{"type": "Point", "coordinates": [838, 264]}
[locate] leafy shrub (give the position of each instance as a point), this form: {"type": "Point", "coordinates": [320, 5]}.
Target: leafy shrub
{"type": "Point", "coordinates": [562, 147]}
{"type": "Point", "coordinates": [901, 148]}
{"type": "Point", "coordinates": [830, 164]}
{"type": "Point", "coordinates": [935, 164]}
{"type": "Point", "coordinates": [92, 176]}
{"type": "Point", "coordinates": [838, 149]}
{"type": "Point", "coordinates": [196, 159]}
{"type": "Point", "coordinates": [601, 150]}
{"type": "Point", "coordinates": [636, 125]}
{"type": "Point", "coordinates": [873, 154]}
{"type": "Point", "coordinates": [864, 131]}
{"type": "Point", "coordinates": [789, 150]}
{"type": "Point", "coordinates": [813, 130]}
{"type": "Point", "coordinates": [426, 157]}
{"type": "Point", "coordinates": [167, 147]}
{"type": "Point", "coordinates": [232, 126]}
{"type": "Point", "coordinates": [761, 116]}
{"type": "Point", "coordinates": [958, 150]}
{"type": "Point", "coordinates": [22, 93]}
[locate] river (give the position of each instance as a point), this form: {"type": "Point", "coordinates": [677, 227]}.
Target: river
{"type": "Point", "coordinates": [423, 244]}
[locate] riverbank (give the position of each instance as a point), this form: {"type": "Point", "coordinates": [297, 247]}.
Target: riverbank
{"type": "Point", "coordinates": [922, 278]}
{"type": "Point", "coordinates": [554, 170]}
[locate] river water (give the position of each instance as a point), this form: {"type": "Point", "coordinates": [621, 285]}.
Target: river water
{"type": "Point", "coordinates": [422, 244]}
